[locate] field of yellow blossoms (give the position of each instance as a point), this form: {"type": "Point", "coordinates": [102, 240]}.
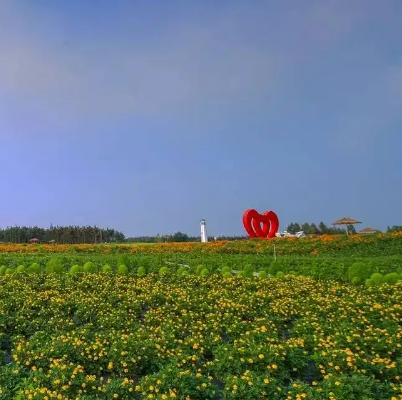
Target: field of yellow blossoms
{"type": "Point", "coordinates": [109, 336]}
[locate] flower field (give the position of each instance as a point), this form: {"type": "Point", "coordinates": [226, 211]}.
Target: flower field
{"type": "Point", "coordinates": [331, 245]}
{"type": "Point", "coordinates": [105, 336]}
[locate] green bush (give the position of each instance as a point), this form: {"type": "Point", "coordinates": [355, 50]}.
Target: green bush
{"type": "Point", "coordinates": [248, 270]}
{"type": "Point", "coordinates": [164, 271]}
{"type": "Point", "coordinates": [21, 269]}
{"type": "Point", "coordinates": [226, 269]}
{"type": "Point", "coordinates": [54, 266]}
{"type": "Point", "coordinates": [122, 269]}
{"type": "Point", "coordinates": [185, 272]}
{"type": "Point", "coordinates": [369, 282]}
{"type": "Point", "coordinates": [227, 274]}
{"type": "Point", "coordinates": [275, 267]}
{"type": "Point", "coordinates": [377, 278]}
{"type": "Point", "coordinates": [89, 267]}
{"type": "Point", "coordinates": [391, 278]}
{"type": "Point", "coordinates": [3, 270]}
{"type": "Point", "coordinates": [35, 268]}
{"type": "Point", "coordinates": [262, 274]}
{"type": "Point", "coordinates": [240, 273]}
{"type": "Point", "coordinates": [205, 272]}
{"type": "Point", "coordinates": [9, 271]}
{"type": "Point", "coordinates": [356, 281]}
{"type": "Point", "coordinates": [199, 268]}
{"type": "Point", "coordinates": [141, 271]}
{"type": "Point", "coordinates": [107, 269]}
{"type": "Point", "coordinates": [359, 270]}
{"type": "Point", "coordinates": [279, 274]}
{"type": "Point", "coordinates": [75, 269]}
{"type": "Point", "coordinates": [180, 271]}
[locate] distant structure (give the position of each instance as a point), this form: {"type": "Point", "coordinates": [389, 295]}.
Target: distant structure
{"type": "Point", "coordinates": [204, 237]}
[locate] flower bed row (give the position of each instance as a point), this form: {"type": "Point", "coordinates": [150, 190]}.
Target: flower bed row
{"type": "Point", "coordinates": [333, 245]}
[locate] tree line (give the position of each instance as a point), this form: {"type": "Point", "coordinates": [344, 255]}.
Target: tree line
{"type": "Point", "coordinates": [320, 229]}
{"type": "Point", "coordinates": [93, 234]}
{"type": "Point", "coordinates": [61, 234]}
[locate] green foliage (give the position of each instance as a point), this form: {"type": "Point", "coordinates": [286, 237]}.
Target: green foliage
{"type": "Point", "coordinates": [141, 271]}
{"type": "Point", "coordinates": [89, 267]}
{"type": "Point", "coordinates": [227, 274]}
{"type": "Point", "coordinates": [226, 268]}
{"type": "Point", "coordinates": [377, 278]}
{"type": "Point", "coordinates": [54, 266]}
{"type": "Point", "coordinates": [9, 271]}
{"type": "Point", "coordinates": [391, 278]}
{"type": "Point", "coordinates": [107, 269]}
{"type": "Point", "coordinates": [122, 269]}
{"type": "Point", "coordinates": [75, 269]}
{"type": "Point", "coordinates": [275, 266]}
{"type": "Point", "coordinates": [35, 268]}
{"type": "Point", "coordinates": [205, 272]}
{"type": "Point", "coordinates": [369, 282]}
{"type": "Point", "coordinates": [164, 271]}
{"type": "Point", "coordinates": [248, 270]}
{"type": "Point", "coordinates": [181, 270]}
{"type": "Point", "coordinates": [279, 274]}
{"type": "Point", "coordinates": [359, 270]}
{"type": "Point", "coordinates": [21, 269]}
{"type": "Point", "coordinates": [356, 281]}
{"type": "Point", "coordinates": [262, 274]}
{"type": "Point", "coordinates": [3, 270]}
{"type": "Point", "coordinates": [199, 268]}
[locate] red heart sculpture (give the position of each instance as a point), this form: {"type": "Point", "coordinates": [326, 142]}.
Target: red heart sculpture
{"type": "Point", "coordinates": [252, 221]}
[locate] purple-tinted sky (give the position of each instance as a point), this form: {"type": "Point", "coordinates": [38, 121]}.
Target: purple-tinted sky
{"type": "Point", "coordinates": [147, 116]}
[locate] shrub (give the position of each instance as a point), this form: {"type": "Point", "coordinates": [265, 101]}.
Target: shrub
{"type": "Point", "coordinates": [164, 271]}
{"type": "Point", "coordinates": [199, 268]}
{"type": "Point", "coordinates": [226, 269]}
{"type": "Point", "coordinates": [141, 271]}
{"type": "Point", "coordinates": [369, 282]}
{"type": "Point", "coordinates": [279, 274]}
{"type": "Point", "coordinates": [185, 273]}
{"type": "Point", "coordinates": [75, 269]}
{"type": "Point", "coordinates": [107, 269]}
{"type": "Point", "coordinates": [21, 269]}
{"type": "Point", "coordinates": [89, 267]}
{"type": "Point", "coordinates": [205, 272]}
{"type": "Point", "coordinates": [248, 270]}
{"type": "Point", "coordinates": [240, 273]}
{"type": "Point", "coordinates": [377, 278]}
{"type": "Point", "coordinates": [391, 278]}
{"type": "Point", "coordinates": [227, 274]}
{"type": "Point", "coordinates": [3, 270]}
{"type": "Point", "coordinates": [275, 267]}
{"type": "Point", "coordinates": [122, 269]}
{"type": "Point", "coordinates": [359, 270]}
{"type": "Point", "coordinates": [180, 271]}
{"type": "Point", "coordinates": [262, 274]}
{"type": "Point", "coordinates": [356, 281]}
{"type": "Point", "coordinates": [9, 271]}
{"type": "Point", "coordinates": [35, 268]}
{"type": "Point", "coordinates": [54, 266]}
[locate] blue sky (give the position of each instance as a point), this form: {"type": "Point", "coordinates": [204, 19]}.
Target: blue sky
{"type": "Point", "coordinates": [147, 116]}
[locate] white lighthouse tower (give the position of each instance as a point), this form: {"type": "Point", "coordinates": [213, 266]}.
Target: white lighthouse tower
{"type": "Point", "coordinates": [204, 237]}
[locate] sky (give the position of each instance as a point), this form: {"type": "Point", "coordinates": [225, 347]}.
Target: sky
{"type": "Point", "coordinates": [148, 115]}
